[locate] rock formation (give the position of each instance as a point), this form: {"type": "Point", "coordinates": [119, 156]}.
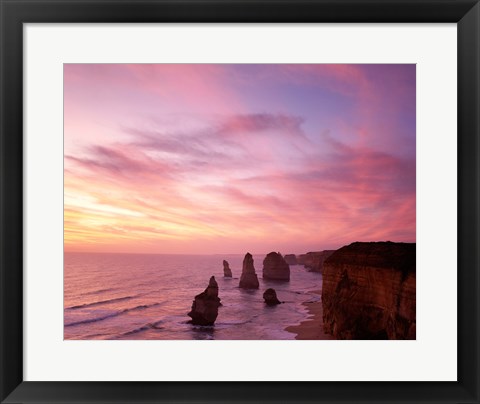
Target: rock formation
{"type": "Point", "coordinates": [314, 260]}
{"type": "Point", "coordinates": [227, 272]}
{"type": "Point", "coordinates": [290, 259]}
{"type": "Point", "coordinates": [275, 267]}
{"type": "Point", "coordinates": [307, 259]}
{"type": "Point", "coordinates": [249, 279]}
{"type": "Point", "coordinates": [270, 297]}
{"type": "Point", "coordinates": [369, 291]}
{"type": "Point", "coordinates": [319, 260]}
{"type": "Point", "coordinates": [205, 306]}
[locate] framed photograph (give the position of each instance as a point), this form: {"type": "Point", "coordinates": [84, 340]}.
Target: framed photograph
{"type": "Point", "coordinates": [228, 201]}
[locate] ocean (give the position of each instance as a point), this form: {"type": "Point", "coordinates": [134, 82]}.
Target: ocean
{"type": "Point", "coordinates": [148, 296]}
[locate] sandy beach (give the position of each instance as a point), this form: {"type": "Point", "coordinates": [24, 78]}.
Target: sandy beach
{"type": "Point", "coordinates": [312, 328]}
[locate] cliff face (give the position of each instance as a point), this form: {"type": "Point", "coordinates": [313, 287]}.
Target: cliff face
{"type": "Point", "coordinates": [275, 267]}
{"type": "Point", "coordinates": [369, 291]}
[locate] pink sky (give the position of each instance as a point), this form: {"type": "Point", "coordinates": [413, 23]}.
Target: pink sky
{"type": "Point", "coordinates": [236, 158]}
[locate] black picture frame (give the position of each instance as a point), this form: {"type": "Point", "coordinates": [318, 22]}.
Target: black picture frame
{"type": "Point", "coordinates": [14, 13]}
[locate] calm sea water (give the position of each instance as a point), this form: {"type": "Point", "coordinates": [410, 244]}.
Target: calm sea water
{"type": "Point", "coordinates": [140, 296]}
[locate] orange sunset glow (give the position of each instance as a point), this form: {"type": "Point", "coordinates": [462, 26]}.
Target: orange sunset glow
{"type": "Point", "coordinates": [216, 159]}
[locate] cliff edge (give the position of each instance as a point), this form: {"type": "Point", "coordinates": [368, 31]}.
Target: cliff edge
{"type": "Point", "coordinates": [369, 291]}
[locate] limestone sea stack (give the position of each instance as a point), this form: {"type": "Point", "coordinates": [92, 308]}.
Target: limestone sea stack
{"type": "Point", "coordinates": [205, 306]}
{"type": "Point", "coordinates": [290, 259]}
{"type": "Point", "coordinates": [313, 261]}
{"type": "Point", "coordinates": [319, 260]}
{"type": "Point", "coordinates": [249, 279]}
{"type": "Point", "coordinates": [369, 291]}
{"type": "Point", "coordinates": [275, 267]}
{"type": "Point", "coordinates": [227, 272]}
{"type": "Point", "coordinates": [270, 297]}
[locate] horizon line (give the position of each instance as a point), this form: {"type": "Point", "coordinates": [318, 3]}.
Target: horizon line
{"type": "Point", "coordinates": [152, 253]}
{"type": "Point", "coordinates": [232, 253]}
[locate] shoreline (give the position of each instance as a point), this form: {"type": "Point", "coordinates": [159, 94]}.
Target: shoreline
{"type": "Point", "coordinates": [312, 327]}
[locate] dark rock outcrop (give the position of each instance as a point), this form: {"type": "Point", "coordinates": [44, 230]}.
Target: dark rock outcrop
{"type": "Point", "coordinates": [249, 279]}
{"type": "Point", "coordinates": [205, 306]}
{"type": "Point", "coordinates": [290, 259]}
{"type": "Point", "coordinates": [227, 272]}
{"type": "Point", "coordinates": [270, 297]}
{"type": "Point", "coordinates": [369, 291]}
{"type": "Point", "coordinates": [275, 267]}
{"type": "Point", "coordinates": [313, 261]}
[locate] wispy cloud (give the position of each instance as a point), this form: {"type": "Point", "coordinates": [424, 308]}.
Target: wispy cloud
{"type": "Point", "coordinates": [208, 179]}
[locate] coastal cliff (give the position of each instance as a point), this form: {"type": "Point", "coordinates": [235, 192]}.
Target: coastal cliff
{"type": "Point", "coordinates": [369, 291]}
